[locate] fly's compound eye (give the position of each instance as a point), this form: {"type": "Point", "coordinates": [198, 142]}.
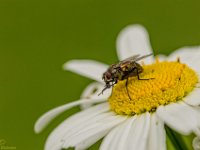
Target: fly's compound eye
{"type": "Point", "coordinates": [107, 76]}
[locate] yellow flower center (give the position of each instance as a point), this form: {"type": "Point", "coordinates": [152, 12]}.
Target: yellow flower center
{"type": "Point", "coordinates": [171, 82]}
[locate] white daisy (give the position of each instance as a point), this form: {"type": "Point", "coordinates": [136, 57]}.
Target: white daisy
{"type": "Point", "coordinates": [171, 98]}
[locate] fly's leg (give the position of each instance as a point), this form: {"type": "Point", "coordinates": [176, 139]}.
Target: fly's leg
{"type": "Point", "coordinates": [138, 76]}
{"type": "Point", "coordinates": [107, 86]}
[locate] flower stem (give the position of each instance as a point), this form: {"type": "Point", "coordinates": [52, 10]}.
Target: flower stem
{"type": "Point", "coordinates": [176, 139]}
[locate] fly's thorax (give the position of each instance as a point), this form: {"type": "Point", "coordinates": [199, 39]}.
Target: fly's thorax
{"type": "Point", "coordinates": [138, 67]}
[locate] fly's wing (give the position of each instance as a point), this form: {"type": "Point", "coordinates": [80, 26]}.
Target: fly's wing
{"type": "Point", "coordinates": [127, 61]}
{"type": "Point", "coordinates": [139, 58]}
{"type": "Point", "coordinates": [130, 59]}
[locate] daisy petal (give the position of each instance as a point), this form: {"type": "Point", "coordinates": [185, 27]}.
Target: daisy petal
{"type": "Point", "coordinates": [197, 129]}
{"type": "Point", "coordinates": [99, 127]}
{"type": "Point", "coordinates": [139, 133]}
{"type": "Point", "coordinates": [73, 123]}
{"type": "Point", "coordinates": [88, 142]}
{"type": "Point", "coordinates": [197, 109]}
{"type": "Point", "coordinates": [132, 40]}
{"type": "Point", "coordinates": [157, 135]}
{"type": "Point", "coordinates": [179, 117]}
{"type": "Point", "coordinates": [116, 140]}
{"type": "Point", "coordinates": [189, 55]}
{"type": "Point", "coordinates": [45, 119]}
{"type": "Point", "coordinates": [193, 97]}
{"type": "Point", "coordinates": [123, 136]}
{"type": "Point", "coordinates": [82, 126]}
{"type": "Point", "coordinates": [92, 90]}
{"type": "Point", "coordinates": [109, 140]}
{"type": "Point", "coordinates": [88, 68]}
{"type": "Point", "coordinates": [161, 57]}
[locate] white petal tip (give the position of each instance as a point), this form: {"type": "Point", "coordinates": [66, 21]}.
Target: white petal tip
{"type": "Point", "coordinates": [134, 26]}
{"type": "Point", "coordinates": [38, 127]}
{"type": "Point", "coordinates": [37, 130]}
{"type": "Point", "coordinates": [88, 68]}
{"type": "Point", "coordinates": [67, 65]}
{"type": "Point", "coordinates": [132, 40]}
{"type": "Point", "coordinates": [72, 64]}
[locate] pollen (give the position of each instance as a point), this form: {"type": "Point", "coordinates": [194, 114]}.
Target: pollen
{"type": "Point", "coordinates": [167, 82]}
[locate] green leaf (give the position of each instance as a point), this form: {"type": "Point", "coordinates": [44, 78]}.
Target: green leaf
{"type": "Point", "coordinates": [176, 139]}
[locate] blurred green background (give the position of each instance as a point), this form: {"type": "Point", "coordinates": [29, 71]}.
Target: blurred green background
{"type": "Point", "coordinates": [38, 36]}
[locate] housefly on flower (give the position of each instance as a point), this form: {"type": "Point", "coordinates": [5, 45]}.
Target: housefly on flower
{"type": "Point", "coordinates": [123, 70]}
